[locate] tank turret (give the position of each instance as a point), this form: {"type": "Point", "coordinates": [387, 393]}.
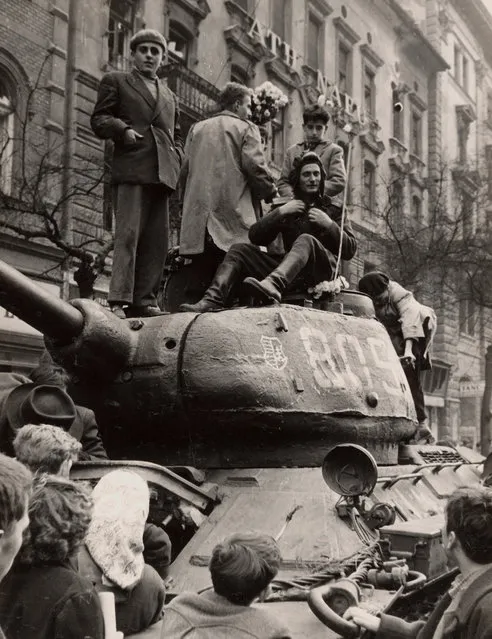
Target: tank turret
{"type": "Point", "coordinates": [264, 386]}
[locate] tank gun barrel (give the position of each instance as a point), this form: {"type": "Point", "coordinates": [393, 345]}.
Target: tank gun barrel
{"type": "Point", "coordinates": [50, 315]}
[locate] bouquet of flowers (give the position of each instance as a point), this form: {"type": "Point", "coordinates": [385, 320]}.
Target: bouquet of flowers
{"type": "Point", "coordinates": [334, 287]}
{"type": "Point", "coordinates": [266, 100]}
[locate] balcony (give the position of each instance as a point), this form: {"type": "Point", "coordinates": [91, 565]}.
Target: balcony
{"type": "Point", "coordinates": [197, 96]}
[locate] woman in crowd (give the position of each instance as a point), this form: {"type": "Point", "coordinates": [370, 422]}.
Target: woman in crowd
{"type": "Point", "coordinates": [43, 596]}
{"type": "Point", "coordinates": [112, 557]}
{"type": "Point", "coordinates": [411, 327]}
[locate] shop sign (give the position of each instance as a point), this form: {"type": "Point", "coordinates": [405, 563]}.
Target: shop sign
{"type": "Point", "coordinates": [12, 324]}
{"type": "Point", "coordinates": [333, 94]}
{"type": "Point", "coordinates": [273, 43]}
{"type": "Point", "coordinates": [472, 389]}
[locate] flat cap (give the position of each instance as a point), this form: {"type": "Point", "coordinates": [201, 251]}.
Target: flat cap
{"type": "Point", "coordinates": [148, 35]}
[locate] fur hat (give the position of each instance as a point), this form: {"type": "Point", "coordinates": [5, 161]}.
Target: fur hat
{"type": "Point", "coordinates": [148, 35]}
{"type": "Point", "coordinates": [115, 536]}
{"type": "Point", "coordinates": [310, 157]}
{"type": "Point", "coordinates": [374, 283]}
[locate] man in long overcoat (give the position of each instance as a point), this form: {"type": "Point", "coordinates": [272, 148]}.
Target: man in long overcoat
{"type": "Point", "coordinates": [224, 177]}
{"type": "Point", "coordinates": [140, 114]}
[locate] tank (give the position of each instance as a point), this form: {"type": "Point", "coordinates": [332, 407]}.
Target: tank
{"type": "Point", "coordinates": [290, 420]}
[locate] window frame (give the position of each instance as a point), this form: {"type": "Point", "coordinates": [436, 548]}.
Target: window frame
{"type": "Point", "coordinates": [183, 34]}
{"type": "Point", "coordinates": [372, 186]}
{"type": "Point", "coordinates": [286, 36]}
{"type": "Point", "coordinates": [120, 61]}
{"type": "Point", "coordinates": [416, 141]}
{"type": "Point", "coordinates": [7, 124]}
{"type": "Point", "coordinates": [368, 70]}
{"type": "Point", "coordinates": [349, 51]}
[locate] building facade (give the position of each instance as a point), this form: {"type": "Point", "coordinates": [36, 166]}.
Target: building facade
{"type": "Point", "coordinates": [366, 59]}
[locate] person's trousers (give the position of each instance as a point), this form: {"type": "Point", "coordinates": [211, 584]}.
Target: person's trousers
{"type": "Point", "coordinates": [140, 243]}
{"type": "Point", "coordinates": [412, 374]}
{"type": "Point", "coordinates": [253, 262]}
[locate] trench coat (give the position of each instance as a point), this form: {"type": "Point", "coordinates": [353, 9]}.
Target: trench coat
{"type": "Point", "coordinates": [224, 177]}
{"type": "Point", "coordinates": [331, 156]}
{"type": "Point", "coordinates": [124, 102]}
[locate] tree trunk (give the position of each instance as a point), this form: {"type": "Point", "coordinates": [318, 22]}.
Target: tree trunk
{"type": "Point", "coordinates": [487, 397]}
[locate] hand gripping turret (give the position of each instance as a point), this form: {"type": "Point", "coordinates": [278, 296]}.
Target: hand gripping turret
{"type": "Point", "coordinates": [82, 335]}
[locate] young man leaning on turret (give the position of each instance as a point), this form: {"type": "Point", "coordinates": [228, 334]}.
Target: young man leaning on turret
{"type": "Point", "coordinates": [311, 236]}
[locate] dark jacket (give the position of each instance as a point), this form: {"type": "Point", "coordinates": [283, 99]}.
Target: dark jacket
{"type": "Point", "coordinates": [267, 228]}
{"type": "Point", "coordinates": [86, 431]}
{"type": "Point", "coordinates": [49, 601]}
{"type": "Point", "coordinates": [157, 549]}
{"type": "Point", "coordinates": [332, 158]}
{"type": "Point", "coordinates": [124, 102]}
{"type": "Point", "coordinates": [136, 609]}
{"type": "Point", "coordinates": [471, 620]}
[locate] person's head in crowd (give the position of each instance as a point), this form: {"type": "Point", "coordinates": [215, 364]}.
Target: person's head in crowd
{"type": "Point", "coordinates": [308, 176]}
{"type": "Point", "coordinates": [315, 121]}
{"type": "Point", "coordinates": [15, 489]}
{"type": "Point", "coordinates": [49, 372]}
{"type": "Point", "coordinates": [115, 536]}
{"type": "Point", "coordinates": [243, 565]}
{"type": "Point", "coordinates": [375, 284]}
{"type": "Point", "coordinates": [236, 97]}
{"type": "Point", "coordinates": [147, 49]}
{"type": "Point", "coordinates": [60, 512]}
{"type": "Point", "coordinates": [467, 535]}
{"type": "Point", "coordinates": [46, 449]}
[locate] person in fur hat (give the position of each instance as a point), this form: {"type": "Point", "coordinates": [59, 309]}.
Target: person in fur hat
{"type": "Point", "coordinates": [311, 238]}
{"type": "Point", "coordinates": [112, 557]}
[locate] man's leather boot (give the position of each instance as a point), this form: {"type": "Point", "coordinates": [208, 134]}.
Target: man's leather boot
{"type": "Point", "coordinates": [271, 289]}
{"type": "Point", "coordinates": [218, 293]}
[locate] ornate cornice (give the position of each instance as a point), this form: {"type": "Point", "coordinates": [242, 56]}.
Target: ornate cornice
{"type": "Point", "coordinates": [369, 53]}
{"type": "Point", "coordinates": [346, 30]}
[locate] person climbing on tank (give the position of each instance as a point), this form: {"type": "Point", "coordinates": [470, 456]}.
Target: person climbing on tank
{"type": "Point", "coordinates": [311, 238]}
{"type": "Point", "coordinates": [411, 327]}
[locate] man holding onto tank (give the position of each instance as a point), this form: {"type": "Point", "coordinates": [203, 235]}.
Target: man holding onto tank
{"type": "Point", "coordinates": [465, 611]}
{"type": "Point", "coordinates": [311, 238]}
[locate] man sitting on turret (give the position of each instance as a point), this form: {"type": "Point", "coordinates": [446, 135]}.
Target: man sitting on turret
{"type": "Point", "coordinates": [311, 236]}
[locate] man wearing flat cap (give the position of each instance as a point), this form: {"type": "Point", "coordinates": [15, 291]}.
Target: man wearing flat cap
{"type": "Point", "coordinates": [23, 402]}
{"type": "Point", "coordinates": [140, 114]}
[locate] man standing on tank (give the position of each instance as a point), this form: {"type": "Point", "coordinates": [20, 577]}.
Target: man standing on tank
{"type": "Point", "coordinates": [224, 177]}
{"type": "Point", "coordinates": [140, 114]}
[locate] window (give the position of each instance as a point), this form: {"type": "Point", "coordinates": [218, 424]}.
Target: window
{"type": "Point", "coordinates": [465, 74]}
{"type": "Point", "coordinates": [416, 208]}
{"type": "Point", "coordinates": [467, 315]}
{"type": "Point", "coordinates": [369, 186]}
{"type": "Point", "coordinates": [179, 42]}
{"type": "Point", "coordinates": [369, 92]}
{"type": "Point", "coordinates": [463, 132]}
{"type": "Point", "coordinates": [6, 139]}
{"type": "Point", "coordinates": [314, 42]}
{"type": "Point", "coordinates": [120, 28]}
{"type": "Point", "coordinates": [281, 18]}
{"type": "Point", "coordinates": [344, 68]}
{"type": "Point", "coordinates": [488, 158]}
{"type": "Point", "coordinates": [457, 65]}
{"type": "Point", "coordinates": [416, 134]}
{"type": "Point", "coordinates": [467, 211]}
{"type": "Point", "coordinates": [398, 131]}
{"type": "Point", "coordinates": [395, 214]}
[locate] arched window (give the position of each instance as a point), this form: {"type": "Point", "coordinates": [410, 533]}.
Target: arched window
{"type": "Point", "coordinates": [179, 43]}
{"type": "Point", "coordinates": [6, 137]}
{"type": "Point", "coordinates": [416, 208]}
{"type": "Point", "coordinates": [369, 186]}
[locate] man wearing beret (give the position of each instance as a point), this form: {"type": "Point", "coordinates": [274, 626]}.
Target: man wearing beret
{"type": "Point", "coordinates": [140, 114]}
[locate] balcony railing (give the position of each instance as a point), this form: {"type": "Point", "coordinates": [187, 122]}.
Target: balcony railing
{"type": "Point", "coordinates": [197, 96]}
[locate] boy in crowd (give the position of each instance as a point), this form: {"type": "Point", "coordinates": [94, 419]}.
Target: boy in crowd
{"type": "Point", "coordinates": [15, 488]}
{"type": "Point", "coordinates": [46, 449]}
{"type": "Point", "coordinates": [241, 568]}
{"type": "Point", "coordinates": [315, 122]}
{"type": "Point", "coordinates": [465, 611]}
